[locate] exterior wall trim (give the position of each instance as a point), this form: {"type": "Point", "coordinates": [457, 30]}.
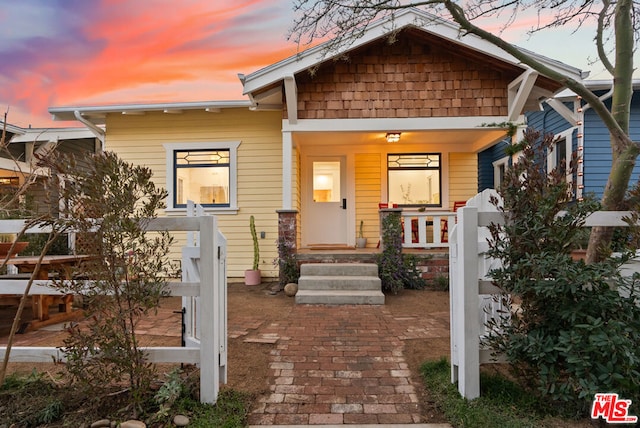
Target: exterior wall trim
{"type": "Point", "coordinates": [405, 124]}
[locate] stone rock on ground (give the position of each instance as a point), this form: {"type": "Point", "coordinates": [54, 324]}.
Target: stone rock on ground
{"type": "Point", "coordinates": [181, 421]}
{"type": "Point", "coordinates": [291, 289]}
{"type": "Point", "coordinates": [133, 424]}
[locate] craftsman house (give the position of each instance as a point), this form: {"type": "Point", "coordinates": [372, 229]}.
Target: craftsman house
{"type": "Point", "coordinates": [406, 118]}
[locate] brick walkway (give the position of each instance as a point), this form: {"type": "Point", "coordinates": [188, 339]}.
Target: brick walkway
{"type": "Point", "coordinates": [330, 365]}
{"type": "Point", "coordinates": [341, 365]}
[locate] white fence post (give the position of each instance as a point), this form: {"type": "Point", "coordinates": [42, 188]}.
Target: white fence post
{"type": "Point", "coordinates": [465, 331]}
{"type": "Point", "coordinates": [209, 321]}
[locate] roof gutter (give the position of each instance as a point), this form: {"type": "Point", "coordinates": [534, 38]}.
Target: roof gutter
{"type": "Point", "coordinates": [98, 132]}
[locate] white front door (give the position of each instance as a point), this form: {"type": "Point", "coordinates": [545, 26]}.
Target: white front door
{"type": "Point", "coordinates": [324, 214]}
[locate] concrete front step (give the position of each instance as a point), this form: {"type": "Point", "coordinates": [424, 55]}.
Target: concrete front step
{"type": "Point", "coordinates": [339, 297]}
{"type": "Point", "coordinates": [311, 282]}
{"type": "Point", "coordinates": [339, 284]}
{"type": "Point", "coordinates": [339, 269]}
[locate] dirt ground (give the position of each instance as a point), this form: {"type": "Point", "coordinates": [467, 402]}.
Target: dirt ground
{"type": "Point", "coordinates": [248, 363]}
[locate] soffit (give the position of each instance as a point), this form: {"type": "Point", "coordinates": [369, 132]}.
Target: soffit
{"type": "Point", "coordinates": [474, 139]}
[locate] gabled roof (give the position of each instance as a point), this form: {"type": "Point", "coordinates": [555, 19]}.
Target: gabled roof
{"type": "Point", "coordinates": [265, 78]}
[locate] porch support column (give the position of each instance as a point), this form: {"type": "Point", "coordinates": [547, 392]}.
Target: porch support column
{"type": "Point", "coordinates": [287, 159]}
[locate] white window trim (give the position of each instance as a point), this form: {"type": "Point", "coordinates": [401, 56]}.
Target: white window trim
{"type": "Point", "coordinates": [496, 169]}
{"type": "Point", "coordinates": [232, 146]}
{"type": "Point", "coordinates": [551, 157]}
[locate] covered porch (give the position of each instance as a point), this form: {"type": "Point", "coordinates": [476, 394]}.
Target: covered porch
{"type": "Point", "coordinates": [339, 180]}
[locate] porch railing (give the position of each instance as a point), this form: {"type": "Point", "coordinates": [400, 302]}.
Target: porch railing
{"type": "Point", "coordinates": [428, 229]}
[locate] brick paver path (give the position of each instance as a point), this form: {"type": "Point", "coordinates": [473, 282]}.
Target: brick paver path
{"type": "Point", "coordinates": [341, 365]}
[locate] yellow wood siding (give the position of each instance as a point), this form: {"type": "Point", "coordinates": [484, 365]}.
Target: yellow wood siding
{"type": "Point", "coordinates": [139, 140]}
{"type": "Point", "coordinates": [463, 177]}
{"type": "Point", "coordinates": [368, 185]}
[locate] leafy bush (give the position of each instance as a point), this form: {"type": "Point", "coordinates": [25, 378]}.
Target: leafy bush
{"type": "Point", "coordinates": [395, 271]}
{"type": "Point", "coordinates": [573, 333]}
{"type": "Point", "coordinates": [286, 262]}
{"type": "Point", "coordinates": [109, 203]}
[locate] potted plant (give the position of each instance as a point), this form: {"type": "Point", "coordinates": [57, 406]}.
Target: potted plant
{"type": "Point", "coordinates": [361, 241]}
{"type": "Point", "coordinates": [252, 276]}
{"type": "Point", "coordinates": [7, 241]}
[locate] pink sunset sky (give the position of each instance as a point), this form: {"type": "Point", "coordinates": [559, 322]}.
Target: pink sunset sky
{"type": "Point", "coordinates": [79, 52]}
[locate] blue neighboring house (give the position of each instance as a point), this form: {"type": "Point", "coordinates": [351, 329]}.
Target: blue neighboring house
{"type": "Point", "coordinates": [579, 129]}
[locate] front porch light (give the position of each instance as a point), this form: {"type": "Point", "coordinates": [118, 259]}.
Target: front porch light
{"type": "Point", "coordinates": [393, 137]}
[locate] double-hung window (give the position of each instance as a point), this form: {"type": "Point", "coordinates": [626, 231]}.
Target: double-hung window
{"type": "Point", "coordinates": [561, 155]}
{"type": "Point", "coordinates": [499, 171]}
{"type": "Point", "coordinates": [204, 173]}
{"type": "Point", "coordinates": [414, 179]}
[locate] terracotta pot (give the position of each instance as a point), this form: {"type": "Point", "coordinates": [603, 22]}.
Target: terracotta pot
{"type": "Point", "coordinates": [579, 255]}
{"type": "Point", "coordinates": [6, 246]}
{"type": "Point", "coordinates": [252, 277]}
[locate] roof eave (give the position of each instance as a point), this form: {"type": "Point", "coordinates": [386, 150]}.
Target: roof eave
{"type": "Point", "coordinates": [52, 134]}
{"type": "Point", "coordinates": [16, 130]}
{"type": "Point", "coordinates": [98, 113]}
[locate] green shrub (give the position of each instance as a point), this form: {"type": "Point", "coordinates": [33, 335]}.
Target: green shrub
{"type": "Point", "coordinates": [395, 271]}
{"type": "Point", "coordinates": [286, 262]}
{"type": "Point", "coordinates": [574, 333]}
{"type": "Point", "coordinates": [110, 203]}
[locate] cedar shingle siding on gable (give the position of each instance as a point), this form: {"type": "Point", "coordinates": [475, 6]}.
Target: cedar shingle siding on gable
{"type": "Point", "coordinates": [412, 77]}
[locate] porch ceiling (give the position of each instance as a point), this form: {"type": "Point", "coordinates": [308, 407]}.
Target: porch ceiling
{"type": "Point", "coordinates": [468, 139]}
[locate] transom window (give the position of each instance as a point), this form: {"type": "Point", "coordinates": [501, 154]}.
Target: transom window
{"type": "Point", "coordinates": [204, 173]}
{"type": "Point", "coordinates": [414, 179]}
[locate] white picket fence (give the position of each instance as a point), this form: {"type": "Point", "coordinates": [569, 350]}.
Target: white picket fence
{"type": "Point", "coordinates": [206, 281]}
{"type": "Point", "coordinates": [471, 291]}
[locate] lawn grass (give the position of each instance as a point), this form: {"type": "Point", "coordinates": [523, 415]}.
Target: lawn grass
{"type": "Point", "coordinates": [38, 399]}
{"type": "Point", "coordinates": [230, 410]}
{"type": "Point", "coordinates": [502, 403]}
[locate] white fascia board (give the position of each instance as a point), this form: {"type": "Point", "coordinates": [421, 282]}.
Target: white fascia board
{"type": "Point", "coordinates": [593, 85]}
{"type": "Point", "coordinates": [386, 124]}
{"type": "Point", "coordinates": [53, 134]}
{"type": "Point", "coordinates": [16, 130]}
{"type": "Point", "coordinates": [16, 166]}
{"type": "Point", "coordinates": [67, 113]}
{"type": "Point", "coordinates": [406, 18]}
